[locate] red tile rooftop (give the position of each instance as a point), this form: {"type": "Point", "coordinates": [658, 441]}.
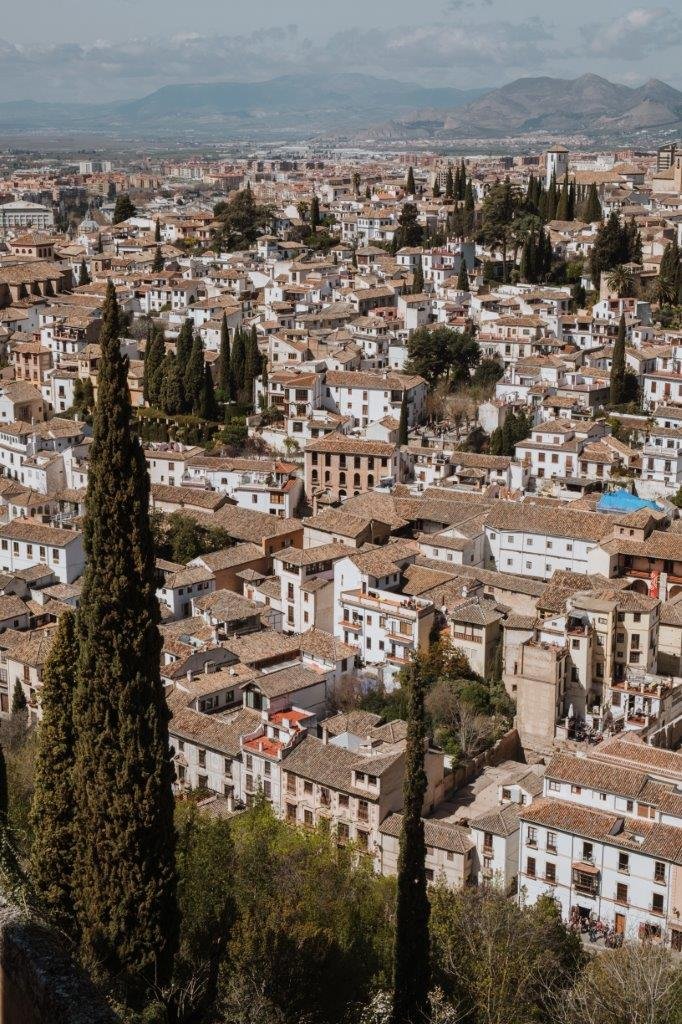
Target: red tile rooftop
{"type": "Point", "coordinates": [289, 716]}
{"type": "Point", "coordinates": [264, 745]}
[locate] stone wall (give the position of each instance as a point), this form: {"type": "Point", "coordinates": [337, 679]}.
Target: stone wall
{"type": "Point", "coordinates": [39, 983]}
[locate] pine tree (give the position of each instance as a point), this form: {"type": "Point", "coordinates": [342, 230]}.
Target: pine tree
{"type": "Point", "coordinates": [208, 410]}
{"type": "Point", "coordinates": [238, 362]}
{"type": "Point", "coordinates": [124, 872]}
{"type": "Point", "coordinates": [418, 278]}
{"type": "Point", "coordinates": [403, 427]}
{"type": "Point", "coordinates": [410, 187]}
{"type": "Point", "coordinates": [592, 210]}
{"type": "Point", "coordinates": [617, 390]}
{"type": "Point", "coordinates": [225, 375]}
{"type": "Point", "coordinates": [83, 275]}
{"type": "Point", "coordinates": [52, 851]}
{"type": "Point", "coordinates": [411, 962]}
{"type": "Point", "coordinates": [19, 702]}
{"type": "Point", "coordinates": [193, 377]}
{"type": "Point", "coordinates": [463, 277]}
{"type": "Point", "coordinates": [124, 208]}
{"type": "Point", "coordinates": [153, 359]}
{"type": "Point", "coordinates": [157, 265]}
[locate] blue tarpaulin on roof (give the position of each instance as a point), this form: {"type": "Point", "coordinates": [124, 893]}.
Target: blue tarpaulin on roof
{"type": "Point", "coordinates": [623, 501]}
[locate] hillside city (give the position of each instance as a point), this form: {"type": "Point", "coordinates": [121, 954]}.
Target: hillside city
{"type": "Point", "coordinates": [393, 443]}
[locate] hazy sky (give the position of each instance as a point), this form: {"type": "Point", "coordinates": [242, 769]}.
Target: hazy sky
{"type": "Point", "coordinates": [85, 50]}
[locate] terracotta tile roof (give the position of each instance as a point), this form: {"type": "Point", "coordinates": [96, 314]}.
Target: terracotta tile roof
{"type": "Point", "coordinates": [501, 822]}
{"type": "Point", "coordinates": [438, 834]}
{"type": "Point", "coordinates": [550, 521]}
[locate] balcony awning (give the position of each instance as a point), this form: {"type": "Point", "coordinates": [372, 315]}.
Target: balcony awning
{"type": "Point", "coordinates": [588, 869]}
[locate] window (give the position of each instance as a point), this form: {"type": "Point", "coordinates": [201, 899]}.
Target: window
{"type": "Point", "coordinates": [342, 833]}
{"type": "Point", "coordinates": [363, 810]}
{"type": "Point", "coordinates": [623, 862]}
{"type": "Point", "coordinates": [550, 872]}
{"type": "Point", "coordinates": [532, 836]}
{"type": "Point", "coordinates": [621, 893]}
{"type": "Point", "coordinates": [629, 806]}
{"type": "Point", "coordinates": [588, 851]}
{"type": "Point", "coordinates": [576, 790]}
{"type": "Point", "coordinates": [659, 872]}
{"type": "Point", "coordinates": [657, 903]}
{"type": "Point", "coordinates": [530, 867]}
{"type": "Point", "coordinates": [602, 796]}
{"type": "Point", "coordinates": [487, 842]}
{"type": "Point", "coordinates": [202, 758]}
{"type": "Point", "coordinates": [308, 818]}
{"type": "Point", "coordinates": [307, 788]}
{"type": "Point", "coordinates": [554, 787]}
{"type": "Point", "coordinates": [551, 842]}
{"type": "Point", "coordinates": [363, 839]}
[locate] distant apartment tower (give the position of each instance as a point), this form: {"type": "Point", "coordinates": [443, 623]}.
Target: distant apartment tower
{"type": "Point", "coordinates": [94, 166]}
{"type": "Point", "coordinates": [665, 157]}
{"type": "Point", "coordinates": [556, 164]}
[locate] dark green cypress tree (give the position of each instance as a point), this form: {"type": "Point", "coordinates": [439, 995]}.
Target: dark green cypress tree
{"type": "Point", "coordinates": [157, 265]}
{"type": "Point", "coordinates": [570, 215]}
{"type": "Point", "coordinates": [83, 275]}
{"type": "Point", "coordinates": [183, 346]}
{"type": "Point", "coordinates": [208, 410]}
{"type": "Point", "coordinates": [19, 702]}
{"type": "Point", "coordinates": [462, 180]}
{"type": "Point", "coordinates": [411, 960]}
{"type": "Point", "coordinates": [314, 213]}
{"type": "Point", "coordinates": [264, 381]}
{"type": "Point", "coordinates": [592, 210]}
{"type": "Point", "coordinates": [171, 391]}
{"type": "Point", "coordinates": [463, 277]}
{"type": "Point", "coordinates": [157, 231]}
{"type": "Point", "coordinates": [154, 355]}
{"type": "Point", "coordinates": [238, 362]}
{"type": "Point", "coordinates": [402, 426]}
{"type": "Point", "coordinates": [562, 204]}
{"type": "Point", "coordinates": [4, 798]}
{"type": "Point", "coordinates": [193, 377]}
{"type": "Point", "coordinates": [418, 278]}
{"type": "Point", "coordinates": [469, 209]}
{"type": "Point", "coordinates": [252, 364]}
{"type": "Point", "coordinates": [410, 186]}
{"type": "Point", "coordinates": [124, 208]}
{"type": "Point", "coordinates": [436, 188]}
{"type": "Point", "coordinates": [124, 874]}
{"type": "Point", "coordinates": [225, 370]}
{"type": "Point", "coordinates": [449, 185]}
{"type": "Point", "coordinates": [552, 199]}
{"type": "Point", "coordinates": [52, 850]}
{"type": "Point", "coordinates": [617, 389]}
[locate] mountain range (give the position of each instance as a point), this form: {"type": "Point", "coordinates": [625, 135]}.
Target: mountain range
{"type": "Point", "coordinates": [313, 104]}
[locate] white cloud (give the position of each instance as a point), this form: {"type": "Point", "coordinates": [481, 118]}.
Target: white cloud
{"type": "Point", "coordinates": [634, 35]}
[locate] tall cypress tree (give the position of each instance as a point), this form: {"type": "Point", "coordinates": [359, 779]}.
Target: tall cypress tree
{"type": "Point", "coordinates": [410, 186]}
{"type": "Point", "coordinates": [193, 378]}
{"type": "Point", "coordinates": [402, 426]}
{"type": "Point", "coordinates": [449, 185]}
{"type": "Point", "coordinates": [124, 874]}
{"type": "Point", "coordinates": [592, 210]}
{"type": "Point", "coordinates": [418, 278]}
{"type": "Point", "coordinates": [208, 410]}
{"type": "Point", "coordinates": [157, 265]}
{"type": "Point", "coordinates": [183, 346]}
{"type": "Point", "coordinates": [617, 389]}
{"type": "Point", "coordinates": [153, 358]}
{"type": "Point", "coordinates": [171, 391]}
{"type": "Point", "coordinates": [238, 360]}
{"type": "Point", "coordinates": [252, 364]}
{"type": "Point", "coordinates": [463, 277]}
{"type": "Point", "coordinates": [314, 213]}
{"type": "Point", "coordinates": [52, 852]}
{"type": "Point", "coordinates": [157, 231]}
{"type": "Point", "coordinates": [411, 961]}
{"type": "Point", "coordinates": [225, 370]}
{"type": "Point", "coordinates": [83, 275]}
{"type": "Point", "coordinates": [19, 703]}
{"type": "Point", "coordinates": [463, 180]}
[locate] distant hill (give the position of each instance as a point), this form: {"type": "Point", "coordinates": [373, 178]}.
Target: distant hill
{"type": "Point", "coordinates": [306, 104]}
{"type": "Point", "coordinates": [586, 104]}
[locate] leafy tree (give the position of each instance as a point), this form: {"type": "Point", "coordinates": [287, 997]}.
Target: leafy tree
{"type": "Point", "coordinates": [411, 962]}
{"type": "Point", "coordinates": [617, 388]}
{"type": "Point", "coordinates": [180, 538]}
{"type": "Point", "coordinates": [442, 352]}
{"type": "Point", "coordinates": [157, 265]}
{"type": "Point", "coordinates": [487, 373]}
{"type": "Point", "coordinates": [410, 187]}
{"type": "Point", "coordinates": [224, 367]}
{"type": "Point", "coordinates": [418, 278]}
{"type": "Point", "coordinates": [124, 208]}
{"type": "Point", "coordinates": [52, 851]}
{"type": "Point", "coordinates": [403, 437]}
{"type": "Point", "coordinates": [83, 275]}
{"type": "Point", "coordinates": [124, 874]}
{"type": "Point", "coordinates": [409, 232]}
{"type": "Point", "coordinates": [497, 962]}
